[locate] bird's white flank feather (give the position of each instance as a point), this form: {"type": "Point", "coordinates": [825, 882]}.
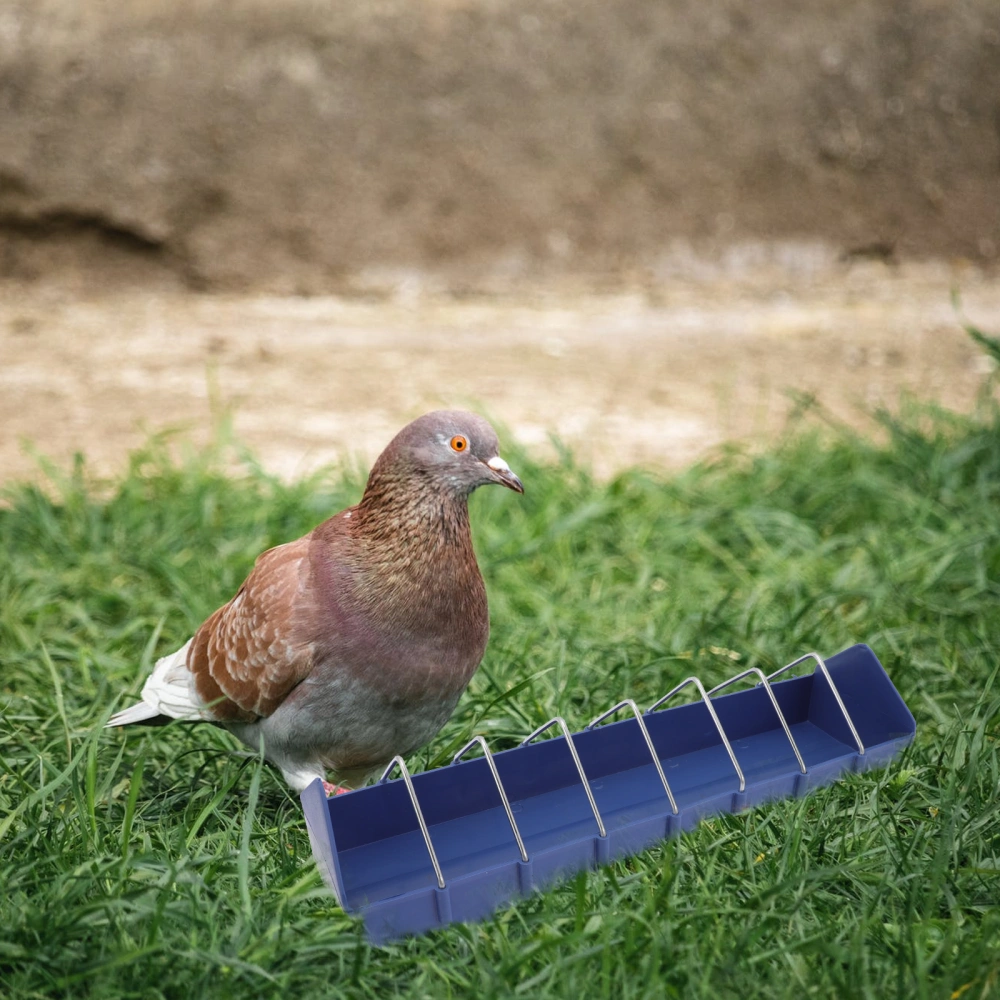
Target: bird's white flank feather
{"type": "Point", "coordinates": [168, 691]}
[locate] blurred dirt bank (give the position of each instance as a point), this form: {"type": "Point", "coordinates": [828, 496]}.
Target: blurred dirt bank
{"type": "Point", "coordinates": [638, 224]}
{"type": "Point", "coordinates": [321, 145]}
{"type": "Point", "coordinates": [655, 375]}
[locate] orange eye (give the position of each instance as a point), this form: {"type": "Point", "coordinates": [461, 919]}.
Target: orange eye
{"type": "Point", "coordinates": [459, 443]}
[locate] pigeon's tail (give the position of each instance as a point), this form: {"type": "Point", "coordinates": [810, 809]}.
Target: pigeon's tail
{"type": "Point", "coordinates": [150, 715]}
{"type": "Point", "coordinates": [167, 694]}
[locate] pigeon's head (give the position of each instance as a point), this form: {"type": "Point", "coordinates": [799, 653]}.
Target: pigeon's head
{"type": "Point", "coordinates": [456, 450]}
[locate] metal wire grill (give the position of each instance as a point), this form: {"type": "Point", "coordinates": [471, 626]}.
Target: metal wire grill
{"type": "Point", "coordinates": [560, 723]}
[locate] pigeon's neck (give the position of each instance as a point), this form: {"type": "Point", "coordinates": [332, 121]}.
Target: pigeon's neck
{"type": "Point", "coordinates": [415, 557]}
{"type": "Point", "coordinates": [412, 511]}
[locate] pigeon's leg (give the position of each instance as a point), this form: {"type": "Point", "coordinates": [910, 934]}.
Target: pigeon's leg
{"type": "Point", "coordinates": [332, 789]}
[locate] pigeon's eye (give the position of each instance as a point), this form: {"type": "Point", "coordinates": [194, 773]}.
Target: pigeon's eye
{"type": "Point", "coordinates": [459, 442]}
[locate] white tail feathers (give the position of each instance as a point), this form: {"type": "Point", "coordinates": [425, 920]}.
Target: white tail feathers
{"type": "Point", "coordinates": [134, 713]}
{"type": "Point", "coordinates": [169, 690]}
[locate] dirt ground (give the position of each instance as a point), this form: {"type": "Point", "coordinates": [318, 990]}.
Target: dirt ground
{"type": "Point", "coordinates": [657, 374]}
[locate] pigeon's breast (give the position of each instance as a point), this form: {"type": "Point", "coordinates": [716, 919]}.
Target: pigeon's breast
{"type": "Point", "coordinates": [394, 644]}
{"type": "Point", "coordinates": [371, 696]}
{"type": "Point", "coordinates": [398, 658]}
{"type": "Point", "coordinates": [418, 627]}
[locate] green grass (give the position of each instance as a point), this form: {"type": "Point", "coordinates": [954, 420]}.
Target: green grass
{"type": "Point", "coordinates": [167, 863]}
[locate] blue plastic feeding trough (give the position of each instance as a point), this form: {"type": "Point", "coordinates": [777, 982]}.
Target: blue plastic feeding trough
{"type": "Point", "coordinates": [456, 842]}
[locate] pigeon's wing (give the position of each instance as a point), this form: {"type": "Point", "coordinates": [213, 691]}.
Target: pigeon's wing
{"type": "Point", "coordinates": [247, 656]}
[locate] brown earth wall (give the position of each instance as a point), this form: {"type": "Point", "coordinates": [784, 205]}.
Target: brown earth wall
{"type": "Point", "coordinates": [298, 146]}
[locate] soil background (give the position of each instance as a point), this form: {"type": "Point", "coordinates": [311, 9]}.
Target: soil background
{"type": "Point", "coordinates": [646, 226]}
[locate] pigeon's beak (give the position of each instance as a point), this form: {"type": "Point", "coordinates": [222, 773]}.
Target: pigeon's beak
{"type": "Point", "coordinates": [502, 474]}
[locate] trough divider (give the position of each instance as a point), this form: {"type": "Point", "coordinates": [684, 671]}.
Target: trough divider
{"type": "Point", "coordinates": [774, 702]}
{"type": "Point", "coordinates": [645, 735]}
{"type": "Point", "coordinates": [559, 721]}
{"type": "Point", "coordinates": [496, 778]}
{"type": "Point", "coordinates": [401, 764]}
{"type": "Point", "coordinates": [711, 711]}
{"type": "Point", "coordinates": [833, 688]}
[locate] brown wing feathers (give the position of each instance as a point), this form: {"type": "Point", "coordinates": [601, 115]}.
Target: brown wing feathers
{"type": "Point", "coordinates": [248, 655]}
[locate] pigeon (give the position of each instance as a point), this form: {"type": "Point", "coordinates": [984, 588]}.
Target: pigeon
{"type": "Point", "coordinates": [352, 644]}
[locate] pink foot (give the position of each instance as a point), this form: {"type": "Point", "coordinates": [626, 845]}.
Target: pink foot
{"type": "Point", "coordinates": [332, 789]}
